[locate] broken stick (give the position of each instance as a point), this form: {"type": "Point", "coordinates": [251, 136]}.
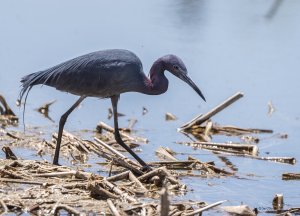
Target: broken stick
{"type": "Point", "coordinates": [202, 118]}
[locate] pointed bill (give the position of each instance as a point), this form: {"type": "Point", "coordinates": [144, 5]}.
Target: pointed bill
{"type": "Point", "coordinates": [187, 79]}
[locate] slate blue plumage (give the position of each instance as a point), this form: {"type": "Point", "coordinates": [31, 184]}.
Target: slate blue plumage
{"type": "Point", "coordinates": [107, 74]}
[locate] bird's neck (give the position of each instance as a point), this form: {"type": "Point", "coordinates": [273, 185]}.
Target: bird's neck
{"type": "Point", "coordinates": [158, 83]}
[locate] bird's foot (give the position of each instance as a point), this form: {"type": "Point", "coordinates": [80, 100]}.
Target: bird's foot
{"type": "Point", "coordinates": [146, 168]}
{"type": "Point", "coordinates": [56, 163]}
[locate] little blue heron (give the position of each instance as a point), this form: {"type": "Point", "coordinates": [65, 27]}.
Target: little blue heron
{"type": "Point", "coordinates": [107, 74]}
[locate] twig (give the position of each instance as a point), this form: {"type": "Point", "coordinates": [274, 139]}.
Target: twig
{"type": "Point", "coordinates": [291, 176]}
{"type": "Point", "coordinates": [9, 153]}
{"type": "Point", "coordinates": [9, 134]}
{"type": "Point", "coordinates": [44, 109]}
{"type": "Point", "coordinates": [109, 148]}
{"type": "Point", "coordinates": [67, 208]}
{"type": "Point", "coordinates": [210, 167]}
{"type": "Point", "coordinates": [11, 173]}
{"type": "Point", "coordinates": [205, 208]}
{"type": "Point", "coordinates": [118, 177]}
{"type": "Point", "coordinates": [162, 171]}
{"type": "Point", "coordinates": [7, 109]}
{"type": "Point", "coordinates": [162, 151]}
{"type": "Point", "coordinates": [120, 158]}
{"type": "Point", "coordinates": [118, 191]}
{"type": "Point", "coordinates": [106, 127]}
{"type": "Point", "coordinates": [202, 118]}
{"type": "Point", "coordinates": [112, 208]}
{"type": "Point", "coordinates": [133, 178]}
{"type": "Point", "coordinates": [78, 174]}
{"type": "Point", "coordinates": [226, 147]}
{"type": "Point", "coordinates": [20, 181]}
{"type": "Point", "coordinates": [170, 117]}
{"type": "Point", "coordinates": [289, 160]}
{"type": "Point", "coordinates": [4, 206]}
{"type": "Point", "coordinates": [97, 190]}
{"type": "Point", "coordinates": [164, 202]}
{"type": "Point", "coordinates": [56, 174]}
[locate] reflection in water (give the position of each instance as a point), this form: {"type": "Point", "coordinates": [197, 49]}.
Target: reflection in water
{"type": "Point", "coordinates": [274, 9]}
{"type": "Point", "coordinates": [228, 163]}
{"type": "Point", "coordinates": [188, 15]}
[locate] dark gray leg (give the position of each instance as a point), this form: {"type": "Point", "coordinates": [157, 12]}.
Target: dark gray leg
{"type": "Point", "coordinates": [62, 122]}
{"type": "Point", "coordinates": [114, 101]}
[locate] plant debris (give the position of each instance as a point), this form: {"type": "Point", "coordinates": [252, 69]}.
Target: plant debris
{"type": "Point", "coordinates": [110, 114]}
{"type": "Point", "coordinates": [7, 116]}
{"type": "Point", "coordinates": [45, 189]}
{"type": "Point", "coordinates": [291, 176]}
{"type": "Point", "coordinates": [44, 109]}
{"type": "Point", "coordinates": [202, 128]}
{"type": "Point", "coordinates": [170, 117]}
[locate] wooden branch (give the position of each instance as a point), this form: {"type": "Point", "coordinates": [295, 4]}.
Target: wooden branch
{"type": "Point", "coordinates": [114, 211]}
{"type": "Point", "coordinates": [163, 152]}
{"type": "Point", "coordinates": [118, 177]}
{"type": "Point", "coordinates": [21, 181]}
{"type": "Point", "coordinates": [4, 206]}
{"type": "Point", "coordinates": [106, 127]}
{"type": "Point", "coordinates": [198, 211]}
{"type": "Point", "coordinates": [291, 176]}
{"type": "Point", "coordinates": [226, 147]}
{"type": "Point", "coordinates": [133, 178]}
{"type": "Point", "coordinates": [118, 191]}
{"type": "Point", "coordinates": [66, 208]}
{"type": "Point", "coordinates": [114, 151]}
{"type": "Point", "coordinates": [97, 190]}
{"type": "Point", "coordinates": [162, 171]}
{"type": "Point", "coordinates": [164, 202]}
{"type": "Point", "coordinates": [202, 118]}
{"type": "Point", "coordinates": [55, 174]}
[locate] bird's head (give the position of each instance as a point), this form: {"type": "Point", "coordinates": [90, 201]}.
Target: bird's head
{"type": "Point", "coordinates": [175, 65]}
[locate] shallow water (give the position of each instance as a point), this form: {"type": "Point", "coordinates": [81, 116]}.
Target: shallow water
{"type": "Point", "coordinates": [227, 46]}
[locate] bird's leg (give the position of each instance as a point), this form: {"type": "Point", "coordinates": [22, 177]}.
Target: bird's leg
{"type": "Point", "coordinates": [62, 122]}
{"type": "Point", "coordinates": [114, 101]}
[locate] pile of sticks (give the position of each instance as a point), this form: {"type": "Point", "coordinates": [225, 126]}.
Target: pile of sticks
{"type": "Point", "coordinates": [202, 128]}
{"type": "Point", "coordinates": [44, 189]}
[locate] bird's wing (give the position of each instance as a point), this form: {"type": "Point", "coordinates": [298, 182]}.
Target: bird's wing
{"type": "Point", "coordinates": [57, 75]}
{"type": "Point", "coordinates": [91, 74]}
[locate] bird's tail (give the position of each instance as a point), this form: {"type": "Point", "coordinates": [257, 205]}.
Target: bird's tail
{"type": "Point", "coordinates": [27, 83]}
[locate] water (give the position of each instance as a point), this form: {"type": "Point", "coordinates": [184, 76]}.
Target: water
{"type": "Point", "coordinates": [228, 46]}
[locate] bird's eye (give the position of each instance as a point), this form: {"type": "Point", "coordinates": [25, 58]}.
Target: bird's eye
{"type": "Point", "coordinates": [175, 67]}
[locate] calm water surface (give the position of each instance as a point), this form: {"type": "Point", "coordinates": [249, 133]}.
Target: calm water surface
{"type": "Point", "coordinates": [228, 46]}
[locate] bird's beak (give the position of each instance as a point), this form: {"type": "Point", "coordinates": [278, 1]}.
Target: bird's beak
{"type": "Point", "coordinates": [183, 76]}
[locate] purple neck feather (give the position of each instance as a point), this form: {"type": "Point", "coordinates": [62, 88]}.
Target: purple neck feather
{"type": "Point", "coordinates": [158, 83]}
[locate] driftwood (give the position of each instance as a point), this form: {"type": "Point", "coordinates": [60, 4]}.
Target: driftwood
{"type": "Point", "coordinates": [114, 211]}
{"type": "Point", "coordinates": [216, 129]}
{"type": "Point", "coordinates": [67, 208]}
{"type": "Point", "coordinates": [202, 118]}
{"type": "Point", "coordinates": [239, 210]}
{"type": "Point", "coordinates": [291, 176]}
{"type": "Point", "coordinates": [93, 193]}
{"type": "Point", "coordinates": [166, 153]}
{"type": "Point", "coordinates": [102, 126]}
{"type": "Point", "coordinates": [277, 202]}
{"type": "Point", "coordinates": [198, 211]}
{"type": "Point", "coordinates": [225, 147]}
{"type": "Point", "coordinates": [164, 202]}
